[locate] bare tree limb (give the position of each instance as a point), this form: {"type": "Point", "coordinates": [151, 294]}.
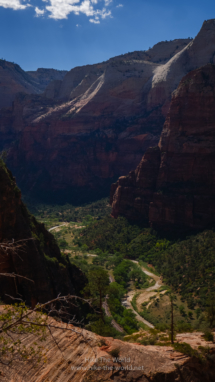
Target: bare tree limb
{"type": "Point", "coordinates": [14, 275]}
{"type": "Point", "coordinates": [39, 307]}
{"type": "Point", "coordinates": [49, 328]}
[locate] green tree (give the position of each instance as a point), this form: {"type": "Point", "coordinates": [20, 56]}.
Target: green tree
{"type": "Point", "coordinates": [84, 248]}
{"type": "Point", "coordinates": [198, 312]}
{"type": "Point", "coordinates": [115, 294]}
{"type": "Point", "coordinates": [136, 274]}
{"type": "Point", "coordinates": [210, 310]}
{"type": "Point", "coordinates": [172, 299]}
{"type": "Point", "coordinates": [98, 282]}
{"type": "Point", "coordinates": [182, 310]}
{"type": "Point", "coordinates": [121, 272]}
{"type": "Point", "coordinates": [190, 315]}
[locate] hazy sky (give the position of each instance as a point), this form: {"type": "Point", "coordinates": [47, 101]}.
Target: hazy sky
{"type": "Point", "coordinates": [63, 34]}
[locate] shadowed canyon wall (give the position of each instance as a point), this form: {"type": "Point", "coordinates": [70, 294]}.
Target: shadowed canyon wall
{"type": "Point", "coordinates": [174, 184]}
{"type": "Point", "coordinates": [39, 259]}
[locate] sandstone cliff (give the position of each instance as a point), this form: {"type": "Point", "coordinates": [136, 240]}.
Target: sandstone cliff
{"type": "Point", "coordinates": [14, 80]}
{"type": "Point", "coordinates": [39, 260]}
{"type": "Point", "coordinates": [90, 128]}
{"type": "Point", "coordinates": [173, 187]}
{"type": "Point", "coordinates": [85, 357]}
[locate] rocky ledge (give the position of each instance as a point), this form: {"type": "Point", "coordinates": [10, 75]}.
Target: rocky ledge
{"type": "Point", "coordinates": [83, 356]}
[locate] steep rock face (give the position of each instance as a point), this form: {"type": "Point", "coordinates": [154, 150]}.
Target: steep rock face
{"type": "Point", "coordinates": [83, 133]}
{"type": "Point", "coordinates": [87, 359]}
{"type": "Point", "coordinates": [14, 80]}
{"type": "Point", "coordinates": [133, 193]}
{"type": "Point", "coordinates": [185, 182]}
{"type": "Point", "coordinates": [89, 129]}
{"type": "Point", "coordinates": [39, 259]}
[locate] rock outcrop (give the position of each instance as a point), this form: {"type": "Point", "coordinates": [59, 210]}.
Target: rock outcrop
{"type": "Point", "coordinates": [44, 76]}
{"type": "Point", "coordinates": [174, 185]}
{"type": "Point", "coordinates": [85, 131]}
{"type": "Point", "coordinates": [132, 194]}
{"type": "Point", "coordinates": [14, 80]}
{"type": "Point", "coordinates": [39, 259]}
{"type": "Point", "coordinates": [85, 357]}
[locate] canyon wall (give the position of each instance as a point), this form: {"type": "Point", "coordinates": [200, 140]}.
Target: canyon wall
{"type": "Point", "coordinates": [174, 184]}
{"type": "Point", "coordinates": [45, 272]}
{"type": "Point", "coordinates": [73, 141]}
{"type": "Point", "coordinates": [82, 133]}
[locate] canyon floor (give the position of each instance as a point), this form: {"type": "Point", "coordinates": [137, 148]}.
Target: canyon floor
{"type": "Point", "coordinates": [66, 232]}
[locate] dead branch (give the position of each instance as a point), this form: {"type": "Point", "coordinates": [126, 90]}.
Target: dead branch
{"type": "Point", "coordinates": [49, 328]}
{"type": "Point", "coordinates": [23, 319]}
{"type": "Point", "coordinates": [40, 307]}
{"type": "Point", "coordinates": [7, 247]}
{"type": "Point", "coordinates": [14, 275]}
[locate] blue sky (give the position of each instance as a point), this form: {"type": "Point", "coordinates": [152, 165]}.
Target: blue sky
{"type": "Point", "coordinates": [63, 34]}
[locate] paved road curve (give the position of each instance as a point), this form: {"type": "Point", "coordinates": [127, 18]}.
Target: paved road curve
{"type": "Point", "coordinates": [57, 226]}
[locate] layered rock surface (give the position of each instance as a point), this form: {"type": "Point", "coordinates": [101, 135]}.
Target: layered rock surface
{"type": "Point", "coordinates": [82, 356]}
{"type": "Point", "coordinates": [14, 80]}
{"type": "Point", "coordinates": [174, 185]}
{"type": "Point", "coordinates": [84, 132]}
{"type": "Point", "coordinates": [38, 260]}
{"type": "Point", "coordinates": [87, 129]}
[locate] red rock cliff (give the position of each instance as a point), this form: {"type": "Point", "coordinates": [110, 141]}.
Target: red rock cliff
{"type": "Point", "coordinates": [182, 195]}
{"type": "Point", "coordinates": [39, 260]}
{"type": "Point", "coordinates": [90, 128]}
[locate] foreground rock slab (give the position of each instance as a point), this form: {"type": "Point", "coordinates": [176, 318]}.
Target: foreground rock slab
{"type": "Point", "coordinates": [82, 356]}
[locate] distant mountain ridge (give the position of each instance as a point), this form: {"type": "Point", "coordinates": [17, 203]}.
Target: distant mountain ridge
{"type": "Point", "coordinates": [71, 142]}
{"type": "Point", "coordinates": [45, 76]}
{"type": "Point", "coordinates": [13, 80]}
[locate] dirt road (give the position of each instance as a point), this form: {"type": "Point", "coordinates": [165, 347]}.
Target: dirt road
{"type": "Point", "coordinates": [108, 313]}
{"type": "Point", "coordinates": [144, 295]}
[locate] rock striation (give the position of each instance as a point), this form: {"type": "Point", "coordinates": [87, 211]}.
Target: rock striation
{"type": "Point", "coordinates": [174, 184]}
{"type": "Point", "coordinates": [83, 132]}
{"type": "Point", "coordinates": [82, 356]}
{"type": "Point", "coordinates": [39, 259]}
